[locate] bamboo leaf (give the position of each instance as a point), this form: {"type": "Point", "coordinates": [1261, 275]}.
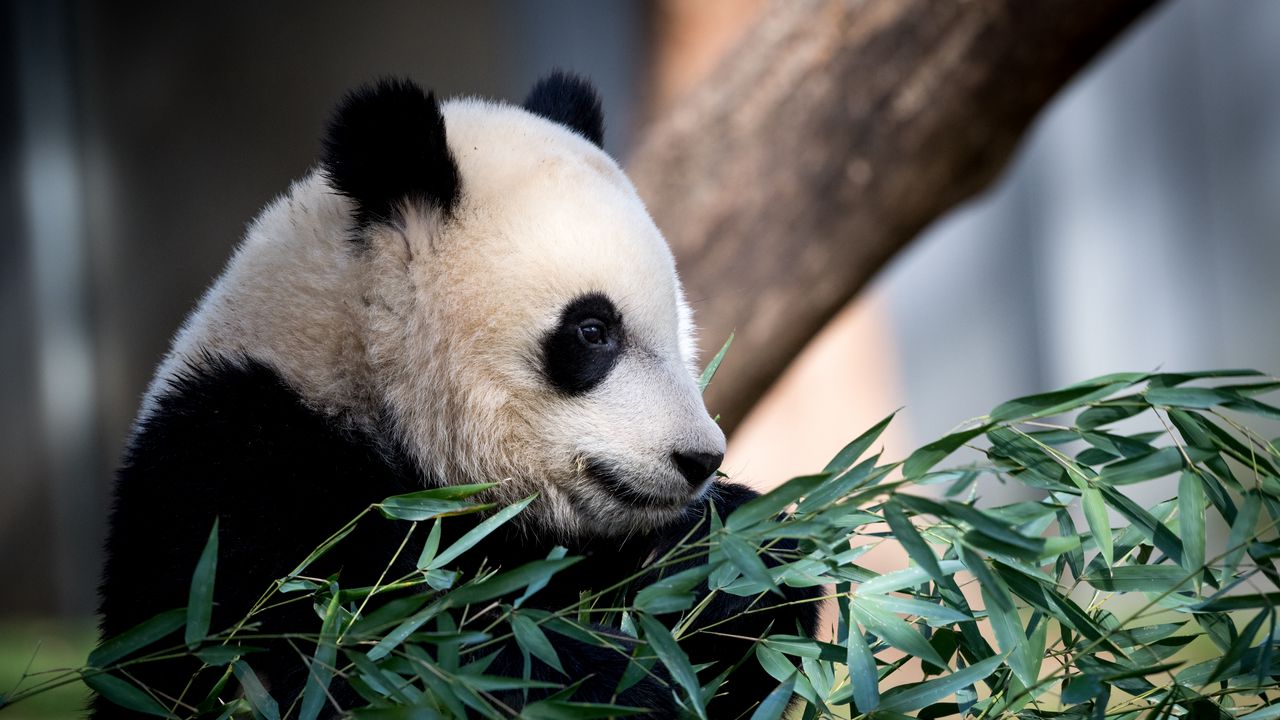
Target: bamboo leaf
{"type": "Point", "coordinates": [1191, 521]}
{"type": "Point", "coordinates": [1241, 532]}
{"type": "Point", "coordinates": [123, 693]}
{"type": "Point", "coordinates": [675, 660]}
{"type": "Point", "coordinates": [905, 578]}
{"type": "Point", "coordinates": [850, 453]}
{"type": "Point", "coordinates": [1140, 578]}
{"type": "Point", "coordinates": [932, 613]}
{"type": "Point", "coordinates": [137, 637]}
{"type": "Point", "coordinates": [323, 663]}
{"type": "Point", "coordinates": [531, 638]}
{"type": "Point", "coordinates": [771, 503]}
{"type": "Point", "coordinates": [264, 706]}
{"type": "Point", "coordinates": [914, 697]}
{"type": "Point", "coordinates": [743, 557]}
{"type": "Point", "coordinates": [1099, 521]}
{"type": "Point", "coordinates": [1188, 397]}
{"type": "Point", "coordinates": [775, 703]}
{"type": "Point", "coordinates": [1147, 467]}
{"type": "Point", "coordinates": [1240, 646]}
{"type": "Point", "coordinates": [896, 631]}
{"type": "Point", "coordinates": [926, 457]}
{"type": "Point", "coordinates": [200, 596]}
{"type": "Point", "coordinates": [909, 537]}
{"type": "Point", "coordinates": [430, 547]}
{"type": "Point", "coordinates": [479, 532]}
{"type": "Point", "coordinates": [862, 669]}
{"type": "Point", "coordinates": [710, 371]}
{"type": "Point", "coordinates": [1052, 403]}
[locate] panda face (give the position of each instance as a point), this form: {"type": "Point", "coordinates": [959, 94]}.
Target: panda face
{"type": "Point", "coordinates": [530, 329]}
{"type": "Point", "coordinates": [586, 339]}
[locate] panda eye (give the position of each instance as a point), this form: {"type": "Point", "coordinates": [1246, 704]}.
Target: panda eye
{"type": "Point", "coordinates": [593, 332]}
{"type": "Point", "coordinates": [584, 345]}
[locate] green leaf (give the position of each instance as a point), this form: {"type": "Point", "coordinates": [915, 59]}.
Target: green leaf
{"type": "Point", "coordinates": [1145, 522]}
{"type": "Point", "coordinates": [710, 371]}
{"type": "Point", "coordinates": [264, 706]}
{"type": "Point", "coordinates": [1254, 407]}
{"type": "Point", "coordinates": [479, 532]}
{"type": "Point", "coordinates": [507, 582]}
{"type": "Point", "coordinates": [1226, 603]}
{"type": "Point", "coordinates": [557, 552]}
{"type": "Point", "coordinates": [895, 631]}
{"type": "Point", "coordinates": [224, 654]}
{"type": "Point", "coordinates": [447, 492]}
{"type": "Point", "coordinates": [1081, 688]}
{"type": "Point", "coordinates": [675, 660]}
{"type": "Point", "coordinates": [671, 593]}
{"type": "Point", "coordinates": [1188, 397]}
{"type": "Point", "coordinates": [531, 638]}
{"type": "Point", "coordinates": [907, 535]}
{"type": "Point", "coordinates": [932, 613]}
{"type": "Point", "coordinates": [1191, 520]}
{"type": "Point", "coordinates": [1140, 578]}
{"type": "Point", "coordinates": [1157, 464]}
{"type": "Point", "coordinates": [1241, 644]}
{"type": "Point", "coordinates": [137, 638]}
{"type": "Point", "coordinates": [430, 547]}
{"type": "Point", "coordinates": [801, 646]}
{"type": "Point", "coordinates": [323, 663]}
{"type": "Point", "coordinates": [124, 694]}
{"type": "Point", "coordinates": [905, 578]}
{"type": "Point", "coordinates": [1106, 414]}
{"type": "Point", "coordinates": [1219, 627]}
{"type": "Point", "coordinates": [850, 453]}
{"type": "Point", "coordinates": [838, 487]}
{"type": "Point", "coordinates": [775, 703]}
{"type": "Point", "coordinates": [200, 596]}
{"type": "Point", "coordinates": [406, 507]}
{"type": "Point", "coordinates": [914, 697]}
{"type": "Point", "coordinates": [743, 557]}
{"type": "Point", "coordinates": [1074, 558]}
{"type": "Point", "coordinates": [926, 457]}
{"type": "Point", "coordinates": [567, 710]}
{"type": "Point", "coordinates": [1051, 403]}
{"type": "Point", "coordinates": [772, 503]}
{"type": "Point", "coordinates": [862, 669]}
{"type": "Point", "coordinates": [1099, 521]}
{"type": "Point", "coordinates": [1241, 533]}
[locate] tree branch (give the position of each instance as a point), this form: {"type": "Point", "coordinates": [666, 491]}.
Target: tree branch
{"type": "Point", "coordinates": [828, 138]}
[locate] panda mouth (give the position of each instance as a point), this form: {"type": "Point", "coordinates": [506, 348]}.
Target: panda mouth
{"type": "Point", "coordinates": [613, 481]}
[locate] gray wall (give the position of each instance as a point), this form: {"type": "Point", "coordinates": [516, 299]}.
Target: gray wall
{"type": "Point", "coordinates": [1138, 227]}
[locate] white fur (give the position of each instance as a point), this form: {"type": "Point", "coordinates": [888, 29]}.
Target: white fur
{"type": "Point", "coordinates": [441, 320]}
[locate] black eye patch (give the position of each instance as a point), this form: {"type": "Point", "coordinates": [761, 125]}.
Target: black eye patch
{"type": "Point", "coordinates": [584, 346]}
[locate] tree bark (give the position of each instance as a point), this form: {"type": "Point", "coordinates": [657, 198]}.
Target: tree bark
{"type": "Point", "coordinates": [829, 137]}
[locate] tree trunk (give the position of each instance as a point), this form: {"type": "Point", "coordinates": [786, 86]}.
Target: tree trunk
{"type": "Point", "coordinates": [829, 137]}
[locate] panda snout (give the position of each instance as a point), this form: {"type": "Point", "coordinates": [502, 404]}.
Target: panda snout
{"type": "Point", "coordinates": [696, 466]}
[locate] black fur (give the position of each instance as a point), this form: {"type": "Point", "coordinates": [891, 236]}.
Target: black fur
{"type": "Point", "coordinates": [569, 100]}
{"type": "Point", "coordinates": [386, 145]}
{"type": "Point", "coordinates": [234, 442]}
{"type": "Point", "coordinates": [570, 363]}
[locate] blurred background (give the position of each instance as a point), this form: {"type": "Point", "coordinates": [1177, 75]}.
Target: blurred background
{"type": "Point", "coordinates": [1138, 226]}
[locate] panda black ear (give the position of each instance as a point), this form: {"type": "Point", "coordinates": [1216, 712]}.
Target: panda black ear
{"type": "Point", "coordinates": [569, 100]}
{"type": "Point", "coordinates": [386, 144]}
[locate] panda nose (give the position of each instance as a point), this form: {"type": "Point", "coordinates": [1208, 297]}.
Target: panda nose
{"type": "Point", "coordinates": [696, 466]}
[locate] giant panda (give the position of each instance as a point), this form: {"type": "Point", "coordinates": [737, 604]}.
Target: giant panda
{"type": "Point", "coordinates": [460, 292]}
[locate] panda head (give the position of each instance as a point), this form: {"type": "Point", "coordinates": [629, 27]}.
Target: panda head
{"type": "Point", "coordinates": [520, 312]}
